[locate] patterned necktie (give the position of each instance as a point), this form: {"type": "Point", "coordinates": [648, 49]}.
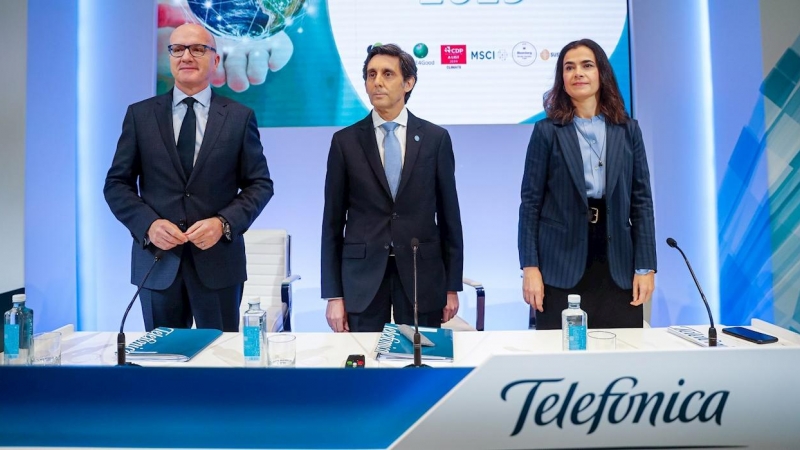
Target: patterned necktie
{"type": "Point", "coordinates": [392, 158]}
{"type": "Point", "coordinates": [187, 137]}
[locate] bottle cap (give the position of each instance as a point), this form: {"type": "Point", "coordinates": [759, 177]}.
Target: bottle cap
{"type": "Point", "coordinates": [573, 298]}
{"type": "Point", "coordinates": [18, 298]}
{"type": "Point", "coordinates": [254, 301]}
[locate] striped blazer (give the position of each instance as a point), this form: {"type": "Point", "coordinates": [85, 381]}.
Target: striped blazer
{"type": "Point", "coordinates": [553, 214]}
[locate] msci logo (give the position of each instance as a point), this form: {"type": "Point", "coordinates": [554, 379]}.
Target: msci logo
{"type": "Point", "coordinates": [480, 55]}
{"type": "Point", "coordinates": [468, 2]}
{"type": "Point", "coordinates": [454, 54]}
{"type": "Point", "coordinates": [488, 55]}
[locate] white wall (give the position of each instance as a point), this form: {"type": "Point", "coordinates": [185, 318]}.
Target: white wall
{"type": "Point", "coordinates": [673, 103]}
{"type": "Point", "coordinates": [13, 32]}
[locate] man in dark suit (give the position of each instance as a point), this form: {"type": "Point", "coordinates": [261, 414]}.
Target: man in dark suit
{"type": "Point", "coordinates": [391, 178]}
{"type": "Point", "coordinates": [189, 177]}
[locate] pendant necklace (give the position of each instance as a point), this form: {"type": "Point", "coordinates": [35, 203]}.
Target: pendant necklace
{"type": "Point", "coordinates": [585, 136]}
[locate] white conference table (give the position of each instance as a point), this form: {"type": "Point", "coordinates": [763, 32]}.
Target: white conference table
{"type": "Point", "coordinates": [471, 348]}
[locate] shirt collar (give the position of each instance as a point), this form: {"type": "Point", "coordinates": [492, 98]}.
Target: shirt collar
{"type": "Point", "coordinates": [401, 119]}
{"type": "Point", "coordinates": [203, 97]}
{"type": "Point", "coordinates": [598, 118]}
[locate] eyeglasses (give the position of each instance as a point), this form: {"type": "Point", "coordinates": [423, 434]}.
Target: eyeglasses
{"type": "Point", "coordinates": [196, 50]}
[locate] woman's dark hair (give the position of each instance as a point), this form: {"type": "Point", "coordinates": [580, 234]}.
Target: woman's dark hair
{"type": "Point", "coordinates": [407, 65]}
{"type": "Point", "coordinates": [558, 104]}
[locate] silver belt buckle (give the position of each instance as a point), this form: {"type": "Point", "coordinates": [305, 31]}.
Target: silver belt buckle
{"type": "Point", "coordinates": [594, 216]}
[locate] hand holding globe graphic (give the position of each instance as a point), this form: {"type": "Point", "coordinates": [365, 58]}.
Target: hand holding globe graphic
{"type": "Point", "coordinates": [250, 35]}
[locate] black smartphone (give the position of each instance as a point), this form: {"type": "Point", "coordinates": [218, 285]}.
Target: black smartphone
{"type": "Point", "coordinates": [355, 362]}
{"type": "Point", "coordinates": [750, 335]}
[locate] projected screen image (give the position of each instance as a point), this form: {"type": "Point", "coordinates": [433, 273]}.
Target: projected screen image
{"type": "Point", "coordinates": [298, 63]}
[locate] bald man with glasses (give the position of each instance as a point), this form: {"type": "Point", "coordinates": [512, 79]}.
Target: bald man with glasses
{"type": "Point", "coordinates": [189, 177]}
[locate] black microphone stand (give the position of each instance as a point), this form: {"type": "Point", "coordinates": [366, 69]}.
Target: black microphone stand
{"type": "Point", "coordinates": [712, 332]}
{"type": "Point", "coordinates": [121, 336]}
{"type": "Point", "coordinates": [417, 339]}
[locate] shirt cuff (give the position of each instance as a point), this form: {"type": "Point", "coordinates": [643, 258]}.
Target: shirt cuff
{"type": "Point", "coordinates": [644, 271]}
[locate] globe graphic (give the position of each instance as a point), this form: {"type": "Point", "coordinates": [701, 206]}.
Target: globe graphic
{"type": "Point", "coordinates": [420, 50]}
{"type": "Point", "coordinates": [245, 19]}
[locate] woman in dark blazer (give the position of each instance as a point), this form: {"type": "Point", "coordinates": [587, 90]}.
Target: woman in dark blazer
{"type": "Point", "coordinates": [586, 219]}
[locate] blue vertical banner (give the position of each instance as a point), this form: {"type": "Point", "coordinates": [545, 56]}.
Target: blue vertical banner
{"type": "Point", "coordinates": [759, 203]}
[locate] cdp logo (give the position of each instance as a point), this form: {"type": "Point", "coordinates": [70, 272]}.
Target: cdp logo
{"type": "Point", "coordinates": [454, 54]}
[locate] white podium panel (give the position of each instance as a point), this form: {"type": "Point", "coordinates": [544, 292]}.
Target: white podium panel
{"type": "Point", "coordinates": [671, 399]}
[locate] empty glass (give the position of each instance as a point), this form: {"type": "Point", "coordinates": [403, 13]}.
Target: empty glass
{"type": "Point", "coordinates": [282, 350]}
{"type": "Point", "coordinates": [601, 340]}
{"type": "Point", "coordinates": [47, 349]}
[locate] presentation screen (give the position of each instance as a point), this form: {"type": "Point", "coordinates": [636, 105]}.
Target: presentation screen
{"type": "Point", "coordinates": [299, 62]}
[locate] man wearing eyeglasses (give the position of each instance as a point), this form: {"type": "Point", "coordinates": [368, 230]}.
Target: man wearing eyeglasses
{"type": "Point", "coordinates": [189, 177]}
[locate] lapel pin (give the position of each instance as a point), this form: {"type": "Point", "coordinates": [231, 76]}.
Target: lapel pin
{"type": "Point", "coordinates": [416, 138]}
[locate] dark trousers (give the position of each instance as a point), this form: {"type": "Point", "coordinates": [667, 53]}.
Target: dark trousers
{"type": "Point", "coordinates": [187, 299]}
{"type": "Point", "coordinates": [606, 304]}
{"type": "Point", "coordinates": [391, 296]}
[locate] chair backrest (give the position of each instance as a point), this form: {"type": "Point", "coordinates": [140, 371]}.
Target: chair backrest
{"type": "Point", "coordinates": [268, 264]}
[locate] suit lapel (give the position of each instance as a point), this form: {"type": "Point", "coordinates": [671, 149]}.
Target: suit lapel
{"type": "Point", "coordinates": [370, 147]}
{"type": "Point", "coordinates": [216, 119]}
{"type": "Point", "coordinates": [163, 113]}
{"type": "Point", "coordinates": [414, 135]}
{"type": "Point", "coordinates": [572, 154]}
{"type": "Point", "coordinates": [614, 147]}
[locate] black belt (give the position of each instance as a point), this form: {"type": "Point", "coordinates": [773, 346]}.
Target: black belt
{"type": "Point", "coordinates": [597, 206]}
{"type": "Point", "coordinates": [594, 214]}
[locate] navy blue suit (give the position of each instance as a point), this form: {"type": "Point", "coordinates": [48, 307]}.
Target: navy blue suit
{"type": "Point", "coordinates": [361, 220]}
{"type": "Point", "coordinates": [553, 215]}
{"type": "Point", "coordinates": [146, 182]}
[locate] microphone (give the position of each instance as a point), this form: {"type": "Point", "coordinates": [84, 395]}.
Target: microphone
{"type": "Point", "coordinates": [712, 332]}
{"type": "Point", "coordinates": [417, 339]}
{"type": "Point", "coordinates": [121, 336]}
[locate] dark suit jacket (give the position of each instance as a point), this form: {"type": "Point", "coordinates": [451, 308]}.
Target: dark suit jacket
{"type": "Point", "coordinates": [553, 216]}
{"type": "Point", "coordinates": [361, 220]}
{"type": "Point", "coordinates": [230, 178]}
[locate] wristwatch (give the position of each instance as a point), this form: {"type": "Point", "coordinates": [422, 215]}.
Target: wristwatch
{"type": "Point", "coordinates": [226, 228]}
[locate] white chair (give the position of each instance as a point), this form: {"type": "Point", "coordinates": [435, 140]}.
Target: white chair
{"type": "Point", "coordinates": [269, 275]}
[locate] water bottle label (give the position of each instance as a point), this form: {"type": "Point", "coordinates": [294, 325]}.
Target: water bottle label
{"type": "Point", "coordinates": [11, 340]}
{"type": "Point", "coordinates": [577, 337]}
{"type": "Point", "coordinates": [252, 343]}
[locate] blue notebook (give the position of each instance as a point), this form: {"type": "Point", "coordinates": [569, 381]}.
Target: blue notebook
{"type": "Point", "coordinates": [170, 344]}
{"type": "Point", "coordinates": [392, 345]}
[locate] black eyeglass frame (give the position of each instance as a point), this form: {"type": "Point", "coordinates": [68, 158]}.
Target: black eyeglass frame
{"type": "Point", "coordinates": [189, 47]}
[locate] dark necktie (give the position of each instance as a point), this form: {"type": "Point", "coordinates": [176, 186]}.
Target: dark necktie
{"type": "Point", "coordinates": [186, 138]}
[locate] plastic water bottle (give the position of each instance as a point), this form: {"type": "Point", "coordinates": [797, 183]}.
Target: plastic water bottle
{"type": "Point", "coordinates": [573, 324]}
{"type": "Point", "coordinates": [18, 333]}
{"type": "Point", "coordinates": [255, 334]}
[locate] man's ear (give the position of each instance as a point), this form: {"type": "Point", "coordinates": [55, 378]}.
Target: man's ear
{"type": "Point", "coordinates": [409, 84]}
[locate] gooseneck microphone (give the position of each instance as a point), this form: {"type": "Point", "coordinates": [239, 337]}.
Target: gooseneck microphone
{"type": "Point", "coordinates": [712, 332]}
{"type": "Point", "coordinates": [121, 336]}
{"type": "Point", "coordinates": [417, 339]}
